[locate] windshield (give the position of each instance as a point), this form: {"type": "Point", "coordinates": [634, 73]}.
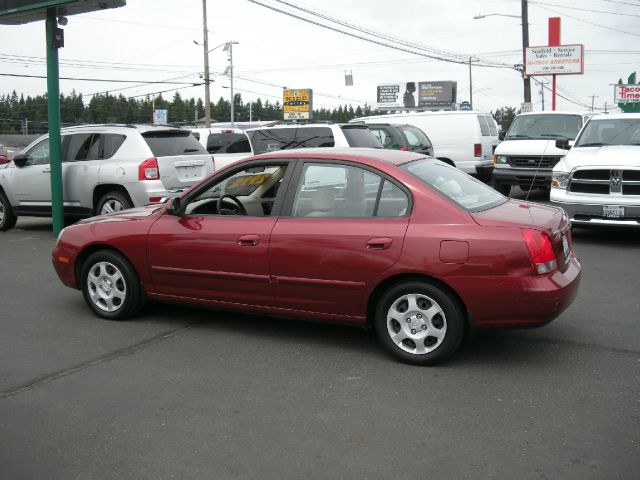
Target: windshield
{"type": "Point", "coordinates": [598, 133]}
{"type": "Point", "coordinates": [463, 189]}
{"type": "Point", "coordinates": [416, 138]}
{"type": "Point", "coordinates": [545, 127]}
{"type": "Point", "coordinates": [167, 143]}
{"type": "Point", "coordinates": [361, 137]}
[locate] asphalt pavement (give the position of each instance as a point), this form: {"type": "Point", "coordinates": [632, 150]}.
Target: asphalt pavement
{"type": "Point", "coordinates": [186, 393]}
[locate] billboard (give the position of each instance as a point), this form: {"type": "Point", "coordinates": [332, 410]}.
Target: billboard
{"type": "Point", "coordinates": [627, 93]}
{"type": "Point", "coordinates": [297, 104]}
{"type": "Point", "coordinates": [417, 95]}
{"type": "Point", "coordinates": [559, 60]}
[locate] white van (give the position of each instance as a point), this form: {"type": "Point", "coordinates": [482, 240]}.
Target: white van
{"type": "Point", "coordinates": [464, 139]}
{"type": "Point", "coordinates": [528, 152]}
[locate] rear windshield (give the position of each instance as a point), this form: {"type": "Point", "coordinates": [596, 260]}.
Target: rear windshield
{"type": "Point", "coordinates": [361, 137]}
{"type": "Point", "coordinates": [416, 138]}
{"type": "Point", "coordinates": [273, 139]}
{"type": "Point", "coordinates": [614, 131]}
{"type": "Point", "coordinates": [228, 143]}
{"type": "Point", "coordinates": [466, 191]}
{"type": "Point", "coordinates": [544, 126]}
{"type": "Point", "coordinates": [167, 143]}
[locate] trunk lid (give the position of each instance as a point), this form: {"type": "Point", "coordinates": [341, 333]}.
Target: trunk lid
{"type": "Point", "coordinates": [182, 160]}
{"type": "Point", "coordinates": [535, 216]}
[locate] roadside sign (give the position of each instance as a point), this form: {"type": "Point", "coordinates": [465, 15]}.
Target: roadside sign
{"type": "Point", "coordinates": [627, 93]}
{"type": "Point", "coordinates": [554, 60]}
{"type": "Point", "coordinates": [417, 95]}
{"type": "Point", "coordinates": [160, 117]}
{"type": "Point", "coordinates": [464, 105]}
{"type": "Point", "coordinates": [526, 107]}
{"type": "Point", "coordinates": [297, 104]}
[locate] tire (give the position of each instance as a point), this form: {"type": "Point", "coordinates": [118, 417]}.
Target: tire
{"type": "Point", "coordinates": [113, 202]}
{"type": "Point", "coordinates": [111, 286]}
{"type": "Point", "coordinates": [419, 323]}
{"type": "Point", "coordinates": [8, 218]}
{"type": "Point", "coordinates": [501, 187]}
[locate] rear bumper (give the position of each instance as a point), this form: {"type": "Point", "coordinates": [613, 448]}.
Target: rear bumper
{"type": "Point", "coordinates": [520, 302]}
{"type": "Point", "coordinates": [523, 176]}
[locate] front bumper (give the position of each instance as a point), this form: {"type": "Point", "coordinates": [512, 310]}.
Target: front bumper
{"type": "Point", "coordinates": [591, 213]}
{"type": "Point", "coordinates": [523, 177]}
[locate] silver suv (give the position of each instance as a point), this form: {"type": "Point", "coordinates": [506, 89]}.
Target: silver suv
{"type": "Point", "coordinates": [105, 168]}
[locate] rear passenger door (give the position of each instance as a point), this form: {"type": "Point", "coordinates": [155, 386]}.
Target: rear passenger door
{"type": "Point", "coordinates": [342, 226]}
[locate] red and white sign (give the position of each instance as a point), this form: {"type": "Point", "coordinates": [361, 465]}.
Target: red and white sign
{"type": "Point", "coordinates": [554, 60]}
{"type": "Point", "coordinates": [627, 94]}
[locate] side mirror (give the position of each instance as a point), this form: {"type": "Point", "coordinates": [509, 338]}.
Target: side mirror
{"type": "Point", "coordinates": [175, 206]}
{"type": "Point", "coordinates": [21, 160]}
{"type": "Point", "coordinates": [563, 143]}
{"type": "Point", "coordinates": [501, 135]}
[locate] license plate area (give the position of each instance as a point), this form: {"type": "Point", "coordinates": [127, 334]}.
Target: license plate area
{"type": "Point", "coordinates": [189, 172]}
{"type": "Point", "coordinates": [612, 211]}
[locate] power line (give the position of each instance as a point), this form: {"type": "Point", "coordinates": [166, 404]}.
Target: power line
{"type": "Point", "coordinates": [586, 21]}
{"type": "Point", "coordinates": [585, 9]}
{"type": "Point", "coordinates": [112, 80]}
{"type": "Point", "coordinates": [372, 40]}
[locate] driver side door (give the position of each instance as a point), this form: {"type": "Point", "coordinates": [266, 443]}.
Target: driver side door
{"type": "Point", "coordinates": [218, 250]}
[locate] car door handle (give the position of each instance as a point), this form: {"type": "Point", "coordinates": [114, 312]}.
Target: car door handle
{"type": "Point", "coordinates": [248, 240]}
{"type": "Point", "coordinates": [46, 170]}
{"type": "Point", "coordinates": [382, 243]}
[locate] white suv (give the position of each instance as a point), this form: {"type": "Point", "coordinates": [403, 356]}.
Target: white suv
{"type": "Point", "coordinates": [311, 135]}
{"type": "Point", "coordinates": [598, 181]}
{"type": "Point", "coordinates": [105, 168]}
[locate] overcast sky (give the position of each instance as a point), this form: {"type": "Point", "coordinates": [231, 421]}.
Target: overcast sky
{"type": "Point", "coordinates": [152, 40]}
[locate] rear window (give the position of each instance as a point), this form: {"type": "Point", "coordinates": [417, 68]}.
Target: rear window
{"type": "Point", "coordinates": [274, 139]}
{"type": "Point", "coordinates": [361, 137]}
{"type": "Point", "coordinates": [168, 143]}
{"type": "Point", "coordinates": [462, 189]}
{"type": "Point", "coordinates": [228, 143]}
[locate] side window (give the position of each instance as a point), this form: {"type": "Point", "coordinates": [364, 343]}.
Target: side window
{"type": "Point", "coordinates": [39, 153]}
{"type": "Point", "coordinates": [393, 201]}
{"type": "Point", "coordinates": [344, 191]}
{"type": "Point", "coordinates": [79, 146]}
{"type": "Point", "coordinates": [484, 126]}
{"type": "Point", "coordinates": [492, 125]}
{"type": "Point", "coordinates": [111, 143]}
{"type": "Point", "coordinates": [251, 191]}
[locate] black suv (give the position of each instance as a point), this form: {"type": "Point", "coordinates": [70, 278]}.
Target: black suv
{"type": "Point", "coordinates": [402, 137]}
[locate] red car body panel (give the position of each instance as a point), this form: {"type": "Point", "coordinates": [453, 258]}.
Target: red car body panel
{"type": "Point", "coordinates": [328, 269]}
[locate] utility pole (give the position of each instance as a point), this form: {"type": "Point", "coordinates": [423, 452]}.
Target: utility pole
{"type": "Point", "coordinates": [250, 116]}
{"type": "Point", "coordinates": [525, 44]}
{"type": "Point", "coordinates": [592, 97]}
{"type": "Point", "coordinates": [230, 44]}
{"type": "Point", "coordinates": [207, 101]}
{"type": "Point", "coordinates": [470, 86]}
{"type": "Point", "coordinates": [542, 84]}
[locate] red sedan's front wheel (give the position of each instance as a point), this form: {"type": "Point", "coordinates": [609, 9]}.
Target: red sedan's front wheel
{"type": "Point", "coordinates": [419, 322]}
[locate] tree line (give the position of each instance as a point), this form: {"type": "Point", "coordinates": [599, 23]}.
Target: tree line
{"type": "Point", "coordinates": [20, 114]}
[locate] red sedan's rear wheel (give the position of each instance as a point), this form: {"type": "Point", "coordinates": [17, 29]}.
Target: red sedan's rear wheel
{"type": "Point", "coordinates": [419, 323]}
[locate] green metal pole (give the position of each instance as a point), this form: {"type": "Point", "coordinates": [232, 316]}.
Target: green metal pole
{"type": "Point", "coordinates": [55, 140]}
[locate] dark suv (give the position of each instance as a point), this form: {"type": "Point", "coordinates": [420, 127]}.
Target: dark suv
{"type": "Point", "coordinates": [402, 137]}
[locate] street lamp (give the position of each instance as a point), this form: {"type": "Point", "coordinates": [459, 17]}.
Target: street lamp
{"type": "Point", "coordinates": [525, 41]}
{"type": "Point", "coordinates": [228, 47]}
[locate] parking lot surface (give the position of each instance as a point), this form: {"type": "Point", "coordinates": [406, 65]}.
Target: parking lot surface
{"type": "Point", "coordinates": [190, 393]}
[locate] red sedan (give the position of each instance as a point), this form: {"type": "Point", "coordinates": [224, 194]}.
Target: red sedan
{"type": "Point", "coordinates": [396, 241]}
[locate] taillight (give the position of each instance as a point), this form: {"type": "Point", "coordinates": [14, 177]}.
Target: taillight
{"type": "Point", "coordinates": [541, 251]}
{"type": "Point", "coordinates": [477, 150]}
{"type": "Point", "coordinates": [148, 170]}
{"type": "Point", "coordinates": [404, 149]}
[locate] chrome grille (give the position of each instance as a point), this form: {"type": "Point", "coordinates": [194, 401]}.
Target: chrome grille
{"type": "Point", "coordinates": [605, 181]}
{"type": "Point", "coordinates": [533, 161]}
